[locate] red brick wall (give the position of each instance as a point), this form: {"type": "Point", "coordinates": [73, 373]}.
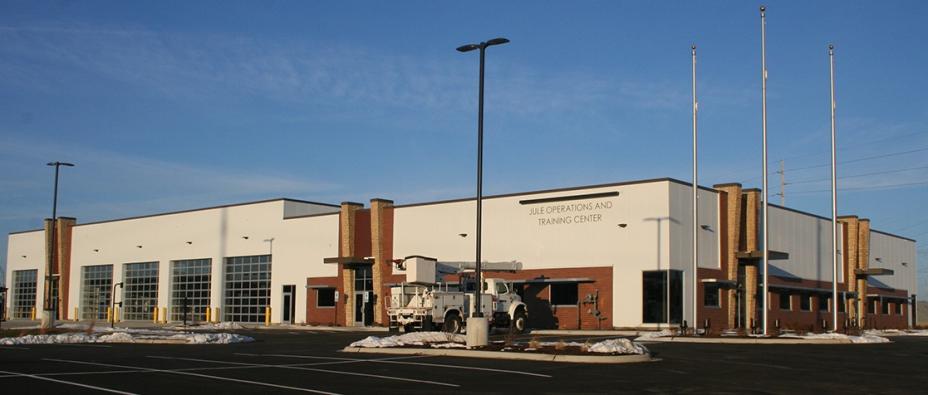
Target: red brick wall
{"type": "Point", "coordinates": [323, 315]}
{"type": "Point", "coordinates": [717, 316]}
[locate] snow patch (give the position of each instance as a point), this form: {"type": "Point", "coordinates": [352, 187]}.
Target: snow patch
{"type": "Point", "coordinates": [408, 339]}
{"type": "Point", "coordinates": [128, 336]}
{"type": "Point", "coordinates": [866, 338]}
{"type": "Point", "coordinates": [618, 346]}
{"type": "Point", "coordinates": [897, 332]}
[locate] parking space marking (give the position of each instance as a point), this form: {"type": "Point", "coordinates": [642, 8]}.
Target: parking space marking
{"type": "Point", "coordinates": [192, 374]}
{"type": "Point", "coordinates": [463, 367]}
{"type": "Point", "coordinates": [13, 348]}
{"type": "Point", "coordinates": [313, 370]}
{"type": "Point", "coordinates": [93, 387]}
{"type": "Point", "coordinates": [84, 345]}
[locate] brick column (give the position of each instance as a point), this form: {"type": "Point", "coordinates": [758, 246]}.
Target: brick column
{"type": "Point", "coordinates": [732, 238]}
{"type": "Point", "coordinates": [749, 237]}
{"type": "Point", "coordinates": [863, 262]}
{"type": "Point", "coordinates": [849, 257]}
{"type": "Point", "coordinates": [348, 248]}
{"type": "Point", "coordinates": [63, 256]}
{"type": "Point", "coordinates": [382, 251]}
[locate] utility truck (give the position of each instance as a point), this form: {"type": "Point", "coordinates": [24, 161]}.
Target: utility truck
{"type": "Point", "coordinates": [425, 302]}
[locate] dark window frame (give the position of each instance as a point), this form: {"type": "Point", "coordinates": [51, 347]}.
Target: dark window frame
{"type": "Point", "coordinates": [789, 301]}
{"type": "Point", "coordinates": [712, 289]}
{"type": "Point", "coordinates": [319, 298]}
{"type": "Point", "coordinates": [564, 294]}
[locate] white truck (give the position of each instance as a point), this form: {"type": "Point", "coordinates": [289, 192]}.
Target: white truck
{"type": "Point", "coordinates": [423, 303]}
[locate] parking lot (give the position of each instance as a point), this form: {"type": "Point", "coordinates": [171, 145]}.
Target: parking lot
{"type": "Point", "coordinates": [305, 361]}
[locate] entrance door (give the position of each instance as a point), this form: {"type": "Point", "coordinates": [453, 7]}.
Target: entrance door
{"type": "Point", "coordinates": [289, 303]}
{"type": "Point", "coordinates": [363, 296]}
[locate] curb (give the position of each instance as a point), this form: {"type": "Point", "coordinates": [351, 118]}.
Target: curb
{"type": "Point", "coordinates": [744, 341]}
{"type": "Point", "coordinates": [574, 332]}
{"type": "Point", "coordinates": [604, 359]}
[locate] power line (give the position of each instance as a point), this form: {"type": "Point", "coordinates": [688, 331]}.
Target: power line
{"type": "Point", "coordinates": [862, 159]}
{"type": "Point", "coordinates": [878, 187]}
{"type": "Point", "coordinates": [859, 175]}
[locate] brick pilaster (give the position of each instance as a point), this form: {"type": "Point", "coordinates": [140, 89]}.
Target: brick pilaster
{"type": "Point", "coordinates": [732, 237]}
{"type": "Point", "coordinates": [863, 263]}
{"type": "Point", "coordinates": [347, 248]}
{"type": "Point", "coordinates": [381, 250]}
{"type": "Point", "coordinates": [850, 258]}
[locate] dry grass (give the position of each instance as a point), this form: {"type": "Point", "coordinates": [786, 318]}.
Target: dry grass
{"type": "Point", "coordinates": [560, 345]}
{"type": "Point", "coordinates": [534, 343]}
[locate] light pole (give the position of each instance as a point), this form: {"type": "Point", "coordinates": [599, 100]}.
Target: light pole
{"type": "Point", "coordinates": [478, 284]}
{"type": "Point", "coordinates": [48, 307]}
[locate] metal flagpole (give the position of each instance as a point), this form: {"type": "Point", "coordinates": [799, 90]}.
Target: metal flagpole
{"type": "Point", "coordinates": [834, 200]}
{"type": "Point", "coordinates": [763, 57]}
{"type": "Point", "coordinates": [695, 194]}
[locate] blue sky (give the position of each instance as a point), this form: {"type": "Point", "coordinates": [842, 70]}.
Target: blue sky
{"type": "Point", "coordinates": [169, 105]}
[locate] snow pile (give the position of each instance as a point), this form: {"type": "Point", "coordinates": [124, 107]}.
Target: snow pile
{"type": "Point", "coordinates": [618, 346]}
{"type": "Point", "coordinates": [897, 332]}
{"type": "Point", "coordinates": [408, 339]}
{"type": "Point", "coordinates": [448, 345]}
{"type": "Point", "coordinates": [127, 336]}
{"type": "Point", "coordinates": [653, 335]}
{"type": "Point", "coordinates": [866, 338]}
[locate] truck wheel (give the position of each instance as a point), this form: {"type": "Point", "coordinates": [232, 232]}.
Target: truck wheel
{"type": "Point", "coordinates": [518, 323]}
{"type": "Point", "coordinates": [452, 323]}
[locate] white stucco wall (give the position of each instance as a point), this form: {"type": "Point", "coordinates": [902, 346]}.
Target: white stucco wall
{"type": "Point", "coordinates": [26, 251]}
{"type": "Point", "coordinates": [521, 232]}
{"type": "Point", "coordinates": [807, 239]}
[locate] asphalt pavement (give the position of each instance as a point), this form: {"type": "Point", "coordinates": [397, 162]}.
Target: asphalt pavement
{"type": "Point", "coordinates": [282, 361]}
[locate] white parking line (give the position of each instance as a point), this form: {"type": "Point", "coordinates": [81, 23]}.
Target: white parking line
{"type": "Point", "coordinates": [410, 363]}
{"type": "Point", "coordinates": [66, 382]}
{"type": "Point", "coordinates": [192, 374]}
{"type": "Point", "coordinates": [313, 370]}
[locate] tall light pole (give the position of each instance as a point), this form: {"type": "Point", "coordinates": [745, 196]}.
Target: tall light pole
{"type": "Point", "coordinates": [834, 201]}
{"type": "Point", "coordinates": [763, 57]}
{"type": "Point", "coordinates": [49, 305]}
{"type": "Point", "coordinates": [695, 201]}
{"type": "Point", "coordinates": [478, 284]}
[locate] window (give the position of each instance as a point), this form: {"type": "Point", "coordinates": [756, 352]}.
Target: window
{"type": "Point", "coordinates": [140, 290]}
{"type": "Point", "coordinates": [899, 307]}
{"type": "Point", "coordinates": [247, 288]}
{"type": "Point", "coordinates": [842, 304]}
{"type": "Point", "coordinates": [823, 302]}
{"type": "Point", "coordinates": [325, 297]}
{"type": "Point", "coordinates": [190, 283]}
{"type": "Point", "coordinates": [871, 307]}
{"type": "Point", "coordinates": [805, 302]}
{"type": "Point", "coordinates": [655, 296]}
{"type": "Point", "coordinates": [884, 307]}
{"type": "Point", "coordinates": [786, 301]}
{"type": "Point", "coordinates": [564, 294]}
{"type": "Point", "coordinates": [501, 288]}
{"type": "Point", "coordinates": [96, 284]}
{"type": "Point", "coordinates": [711, 295]}
{"type": "Point", "coordinates": [24, 293]}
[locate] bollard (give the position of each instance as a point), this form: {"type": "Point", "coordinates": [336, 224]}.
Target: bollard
{"type": "Point", "coordinates": [215, 314]}
{"type": "Point", "coordinates": [32, 315]}
{"type": "Point", "coordinates": [208, 312]}
{"type": "Point", "coordinates": [109, 314]}
{"type": "Point", "coordinates": [164, 315]}
{"type": "Point", "coordinates": [154, 315]}
{"type": "Point", "coordinates": [267, 316]}
{"type": "Point", "coordinates": [77, 316]}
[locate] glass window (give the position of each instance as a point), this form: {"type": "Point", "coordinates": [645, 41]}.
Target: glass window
{"type": "Point", "coordinates": [871, 307]}
{"type": "Point", "coordinates": [805, 302]}
{"type": "Point", "coordinates": [564, 294]}
{"type": "Point", "coordinates": [96, 284]}
{"type": "Point", "coordinates": [842, 305]}
{"type": "Point", "coordinates": [711, 295]}
{"type": "Point", "coordinates": [899, 308]}
{"type": "Point", "coordinates": [501, 288]}
{"type": "Point", "coordinates": [823, 302]}
{"type": "Point", "coordinates": [884, 307]}
{"type": "Point", "coordinates": [786, 301]}
{"type": "Point", "coordinates": [247, 298]}
{"type": "Point", "coordinates": [24, 290]}
{"type": "Point", "coordinates": [363, 278]}
{"type": "Point", "coordinates": [325, 297]}
{"type": "Point", "coordinates": [190, 283]}
{"type": "Point", "coordinates": [140, 290]}
{"type": "Point", "coordinates": [654, 286]}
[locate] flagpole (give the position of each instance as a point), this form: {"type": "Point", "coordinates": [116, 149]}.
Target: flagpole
{"type": "Point", "coordinates": [834, 199]}
{"type": "Point", "coordinates": [695, 201]}
{"type": "Point", "coordinates": [763, 46]}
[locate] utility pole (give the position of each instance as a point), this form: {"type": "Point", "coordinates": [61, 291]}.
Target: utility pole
{"type": "Point", "coordinates": [763, 57]}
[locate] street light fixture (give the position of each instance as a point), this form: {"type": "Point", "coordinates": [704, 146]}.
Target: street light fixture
{"type": "Point", "coordinates": [478, 288]}
{"type": "Point", "coordinates": [49, 307]}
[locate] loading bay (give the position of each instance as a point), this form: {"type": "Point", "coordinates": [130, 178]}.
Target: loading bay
{"type": "Point", "coordinates": [281, 361]}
